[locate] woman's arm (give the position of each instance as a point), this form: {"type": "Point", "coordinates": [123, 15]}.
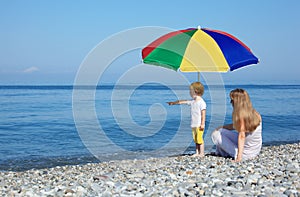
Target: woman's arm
{"type": "Point", "coordinates": [177, 102]}
{"type": "Point", "coordinates": [241, 141]}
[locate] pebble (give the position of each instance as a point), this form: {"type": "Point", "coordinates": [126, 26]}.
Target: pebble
{"type": "Point", "coordinates": [275, 172]}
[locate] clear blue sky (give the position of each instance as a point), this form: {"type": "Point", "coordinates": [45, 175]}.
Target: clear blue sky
{"type": "Point", "coordinates": [44, 42]}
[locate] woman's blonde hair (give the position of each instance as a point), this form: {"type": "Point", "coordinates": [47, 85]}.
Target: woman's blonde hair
{"type": "Point", "coordinates": [198, 88]}
{"type": "Point", "coordinates": [243, 110]}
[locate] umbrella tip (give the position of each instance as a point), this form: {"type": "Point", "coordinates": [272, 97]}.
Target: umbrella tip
{"type": "Point", "coordinates": [199, 27]}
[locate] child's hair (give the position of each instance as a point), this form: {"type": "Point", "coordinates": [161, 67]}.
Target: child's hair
{"type": "Point", "coordinates": [198, 88]}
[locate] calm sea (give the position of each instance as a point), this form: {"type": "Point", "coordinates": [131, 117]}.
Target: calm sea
{"type": "Point", "coordinates": [39, 127]}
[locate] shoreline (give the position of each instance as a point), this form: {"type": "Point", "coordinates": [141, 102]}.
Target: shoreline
{"type": "Point", "coordinates": [30, 163]}
{"type": "Point", "coordinates": [275, 172]}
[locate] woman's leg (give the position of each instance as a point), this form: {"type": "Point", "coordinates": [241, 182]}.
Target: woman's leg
{"type": "Point", "coordinates": [226, 142]}
{"type": "Point", "coordinates": [216, 138]}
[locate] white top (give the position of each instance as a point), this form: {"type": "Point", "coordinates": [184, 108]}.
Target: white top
{"type": "Point", "coordinates": [197, 105]}
{"type": "Point", "coordinates": [253, 143]}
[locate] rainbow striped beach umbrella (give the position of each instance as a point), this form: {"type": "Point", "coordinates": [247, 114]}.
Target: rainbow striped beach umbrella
{"type": "Point", "coordinates": [198, 50]}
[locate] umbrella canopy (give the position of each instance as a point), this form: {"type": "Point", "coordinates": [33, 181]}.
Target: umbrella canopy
{"type": "Point", "coordinates": [198, 50]}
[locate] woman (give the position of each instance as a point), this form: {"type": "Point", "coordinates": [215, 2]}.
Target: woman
{"type": "Point", "coordinates": [247, 141]}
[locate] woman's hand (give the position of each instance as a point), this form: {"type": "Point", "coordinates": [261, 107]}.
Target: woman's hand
{"type": "Point", "coordinates": [220, 127]}
{"type": "Point", "coordinates": [228, 127]}
{"type": "Point", "coordinates": [237, 160]}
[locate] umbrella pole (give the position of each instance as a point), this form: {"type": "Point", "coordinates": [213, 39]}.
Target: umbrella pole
{"type": "Point", "coordinates": [198, 76]}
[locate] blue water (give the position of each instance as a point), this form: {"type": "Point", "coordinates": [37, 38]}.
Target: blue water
{"type": "Point", "coordinates": [38, 128]}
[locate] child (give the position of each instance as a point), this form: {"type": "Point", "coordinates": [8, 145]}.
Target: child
{"type": "Point", "coordinates": [198, 112]}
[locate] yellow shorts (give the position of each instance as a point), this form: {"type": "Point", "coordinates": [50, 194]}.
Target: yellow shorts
{"type": "Point", "coordinates": [198, 135]}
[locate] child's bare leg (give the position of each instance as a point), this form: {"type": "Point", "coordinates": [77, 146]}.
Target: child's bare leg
{"type": "Point", "coordinates": [197, 154]}
{"type": "Point", "coordinates": [201, 149]}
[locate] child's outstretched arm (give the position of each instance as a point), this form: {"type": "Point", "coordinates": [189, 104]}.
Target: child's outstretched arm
{"type": "Point", "coordinates": [177, 102]}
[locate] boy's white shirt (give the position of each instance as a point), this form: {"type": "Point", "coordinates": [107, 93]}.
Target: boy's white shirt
{"type": "Point", "coordinates": [197, 105]}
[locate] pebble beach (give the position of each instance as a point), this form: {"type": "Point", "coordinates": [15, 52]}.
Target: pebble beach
{"type": "Point", "coordinates": [275, 172]}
